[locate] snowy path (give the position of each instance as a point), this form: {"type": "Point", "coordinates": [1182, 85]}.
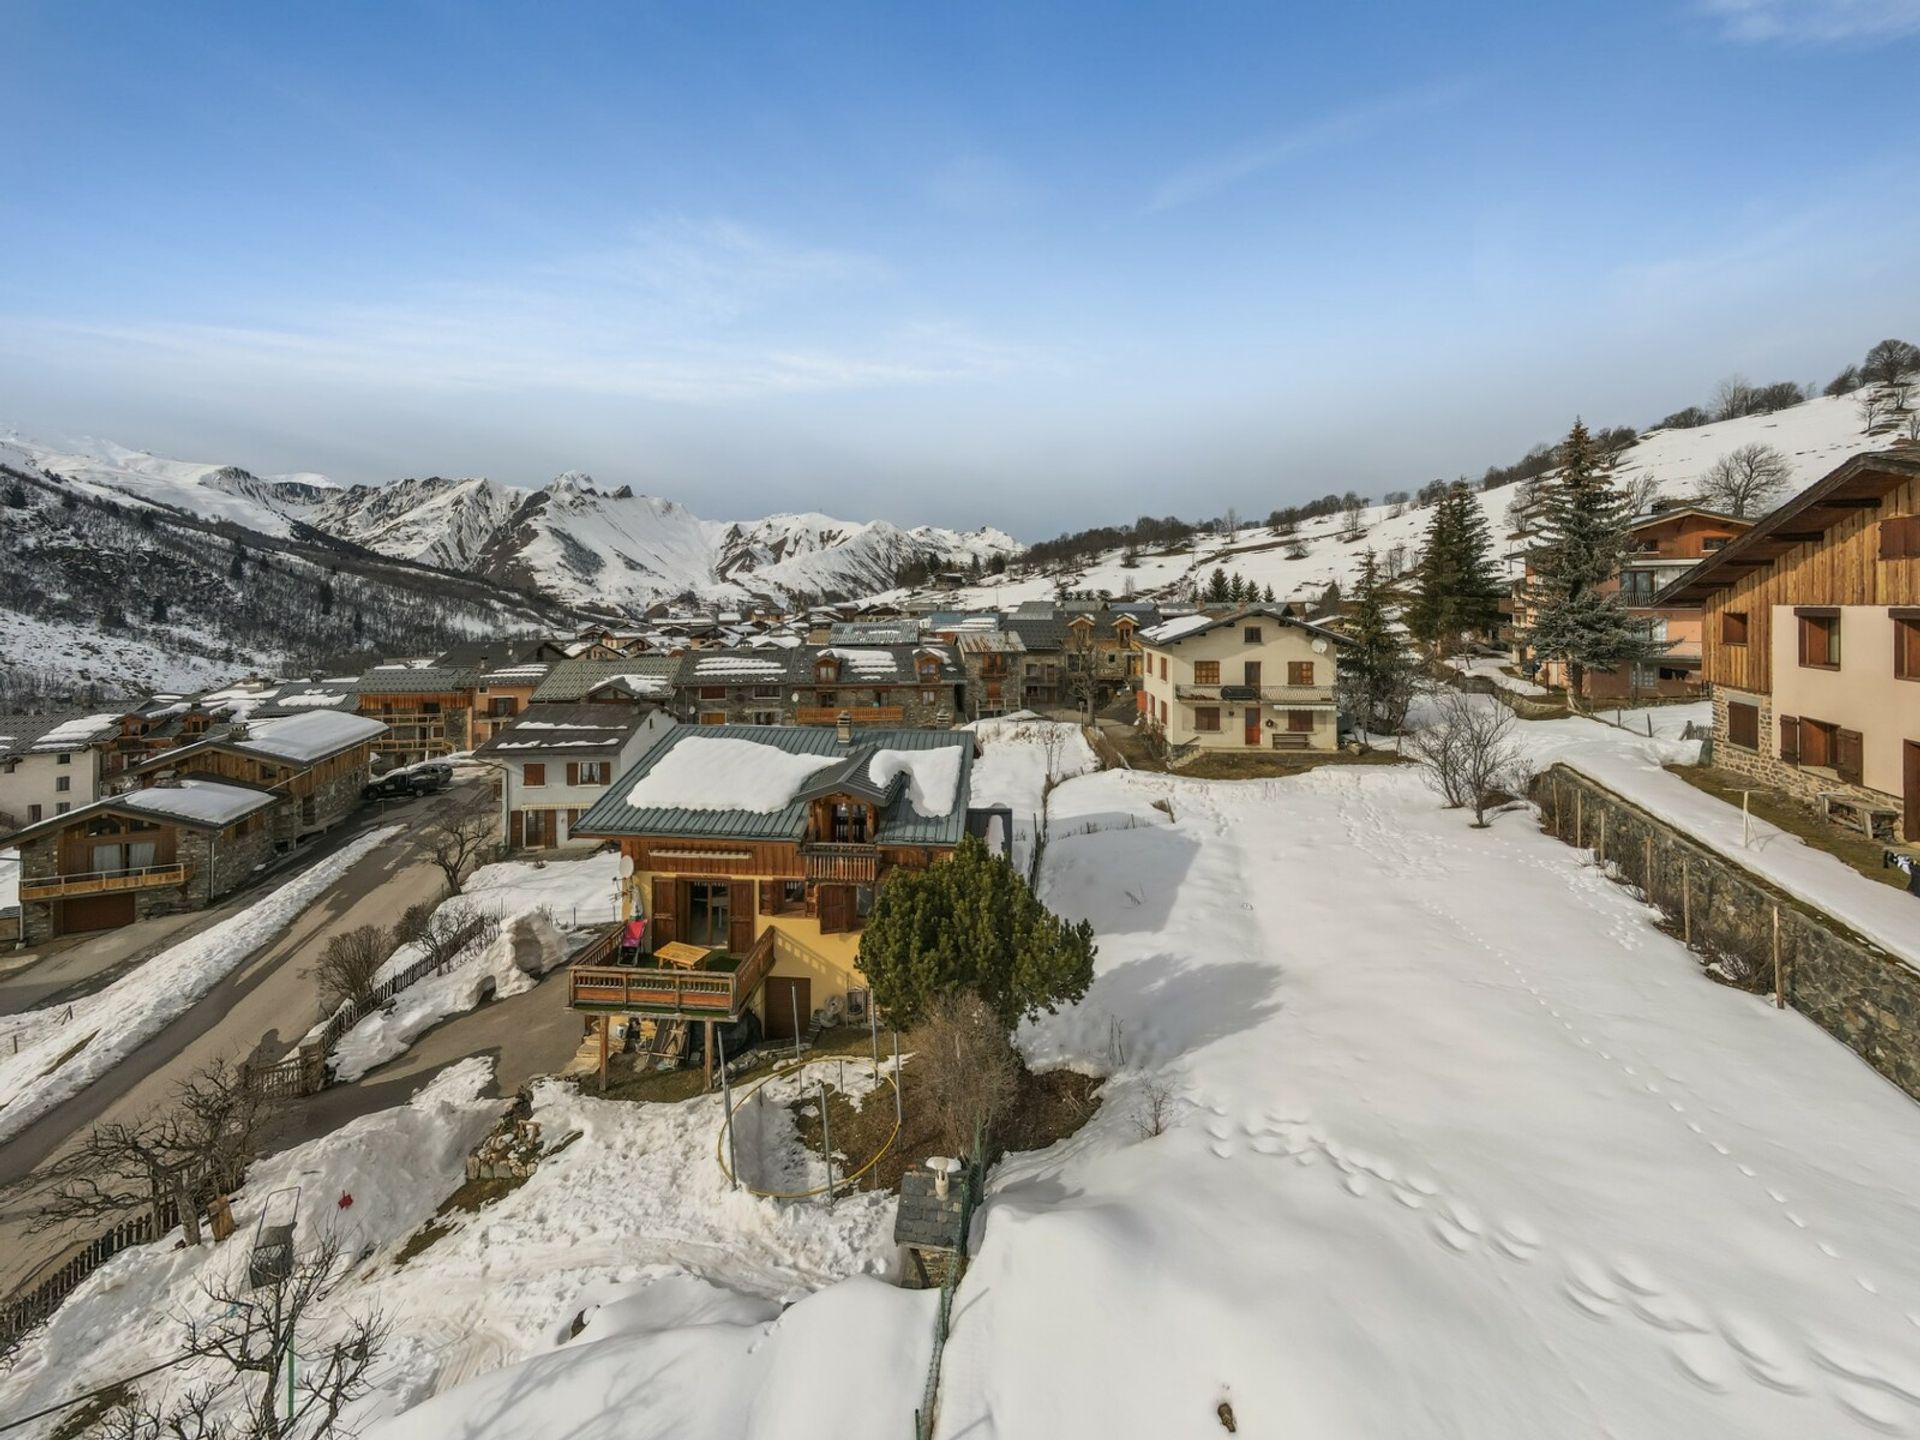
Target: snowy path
{"type": "Point", "coordinates": [1463, 1146]}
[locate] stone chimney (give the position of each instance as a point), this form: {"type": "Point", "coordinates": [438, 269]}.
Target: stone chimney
{"type": "Point", "coordinates": [843, 728]}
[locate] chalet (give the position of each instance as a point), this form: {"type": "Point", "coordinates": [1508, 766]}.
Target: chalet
{"type": "Point", "coordinates": [157, 851]}
{"type": "Point", "coordinates": [428, 711]}
{"type": "Point", "coordinates": [503, 692]}
{"type": "Point", "coordinates": [1811, 641]}
{"type": "Point", "coordinates": [635, 680]}
{"type": "Point", "coordinates": [1043, 655]}
{"type": "Point", "coordinates": [316, 763]}
{"type": "Point", "coordinates": [755, 855]}
{"type": "Point", "coordinates": [995, 662]}
{"type": "Point", "coordinates": [891, 685]}
{"type": "Point", "coordinates": [53, 764]}
{"type": "Point", "coordinates": [1254, 678]}
{"type": "Point", "coordinates": [554, 762]}
{"type": "Point", "coordinates": [1665, 544]}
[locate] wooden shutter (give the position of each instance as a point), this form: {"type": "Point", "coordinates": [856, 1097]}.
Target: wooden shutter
{"type": "Point", "coordinates": [1847, 756]}
{"type": "Point", "coordinates": [573, 772]}
{"type": "Point", "coordinates": [1790, 739]}
{"type": "Point", "coordinates": [769, 897]}
{"type": "Point", "coordinates": [1900, 537]}
{"type": "Point", "coordinates": [740, 923]}
{"type": "Point", "coordinates": [533, 775]}
{"type": "Point", "coordinates": [836, 909]}
{"type": "Point", "coordinates": [666, 910]}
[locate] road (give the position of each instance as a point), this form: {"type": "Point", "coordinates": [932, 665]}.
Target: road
{"type": "Point", "coordinates": [265, 1005]}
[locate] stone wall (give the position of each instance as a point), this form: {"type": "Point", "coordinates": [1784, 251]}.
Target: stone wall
{"type": "Point", "coordinates": [1863, 997]}
{"type": "Point", "coordinates": [333, 801]}
{"type": "Point", "coordinates": [1765, 765]}
{"type": "Point", "coordinates": [221, 864]}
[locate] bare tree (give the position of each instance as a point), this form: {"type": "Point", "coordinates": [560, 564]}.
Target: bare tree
{"type": "Point", "coordinates": [202, 1140]}
{"type": "Point", "coordinates": [967, 1068]}
{"type": "Point", "coordinates": [454, 927]}
{"type": "Point", "coordinates": [350, 965]}
{"type": "Point", "coordinates": [1468, 752]}
{"type": "Point", "coordinates": [288, 1381]}
{"type": "Point", "coordinates": [1875, 405]}
{"type": "Point", "coordinates": [1641, 491]}
{"type": "Point", "coordinates": [1745, 481]}
{"type": "Point", "coordinates": [461, 831]}
{"type": "Point", "coordinates": [1732, 398]}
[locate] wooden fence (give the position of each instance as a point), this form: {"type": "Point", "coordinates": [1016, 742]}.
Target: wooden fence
{"type": "Point", "coordinates": [21, 1313]}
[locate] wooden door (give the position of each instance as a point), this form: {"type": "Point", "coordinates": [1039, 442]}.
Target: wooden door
{"type": "Point", "coordinates": [788, 999]}
{"type": "Point", "coordinates": [664, 922]}
{"type": "Point", "coordinates": [740, 923]}
{"type": "Point", "coordinates": [1910, 753]}
{"type": "Point", "coordinates": [517, 829]}
{"type": "Point", "coordinates": [95, 912]}
{"type": "Point", "coordinates": [1253, 725]}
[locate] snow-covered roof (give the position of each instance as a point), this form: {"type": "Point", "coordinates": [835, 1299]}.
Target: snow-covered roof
{"type": "Point", "coordinates": [46, 734]}
{"type": "Point", "coordinates": [933, 776]}
{"type": "Point", "coordinates": [1175, 628]}
{"type": "Point", "coordinates": [310, 738]}
{"type": "Point", "coordinates": [702, 773]}
{"type": "Point", "coordinates": [198, 802]}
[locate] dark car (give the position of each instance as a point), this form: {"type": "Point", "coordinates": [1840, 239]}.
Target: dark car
{"type": "Point", "coordinates": [428, 779]}
{"type": "Point", "coordinates": [398, 786]}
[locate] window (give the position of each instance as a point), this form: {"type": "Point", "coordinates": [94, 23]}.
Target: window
{"type": "Point", "coordinates": [1743, 725]}
{"type": "Point", "coordinates": [1206, 672]}
{"type": "Point", "coordinates": [1299, 721]}
{"type": "Point", "coordinates": [34, 813]}
{"type": "Point", "coordinates": [533, 776]}
{"type": "Point", "coordinates": [1299, 672]}
{"type": "Point", "coordinates": [1163, 667]}
{"type": "Point", "coordinates": [62, 808]}
{"type": "Point", "coordinates": [1906, 644]}
{"type": "Point", "coordinates": [766, 692]}
{"type": "Point", "coordinates": [1251, 634]}
{"type": "Point", "coordinates": [1206, 718]}
{"type": "Point", "coordinates": [828, 697]}
{"type": "Point", "coordinates": [1819, 743]}
{"type": "Point", "coordinates": [1713, 543]}
{"type": "Point", "coordinates": [593, 772]}
{"type": "Point", "coordinates": [849, 823]}
{"type": "Point", "coordinates": [1819, 639]}
{"type": "Point", "coordinates": [65, 759]}
{"type": "Point", "coordinates": [1900, 537]}
{"type": "Point", "coordinates": [929, 697]}
{"type": "Point", "coordinates": [1733, 627]}
{"type": "Point", "coordinates": [709, 908]}
{"type": "Point", "coordinates": [63, 783]}
{"type": "Point", "coordinates": [713, 692]}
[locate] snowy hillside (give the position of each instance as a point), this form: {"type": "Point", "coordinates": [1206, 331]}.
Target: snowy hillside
{"type": "Point", "coordinates": [1814, 437]}
{"type": "Point", "coordinates": [571, 539]}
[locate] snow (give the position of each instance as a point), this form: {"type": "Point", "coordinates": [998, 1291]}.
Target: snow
{"type": "Point", "coordinates": [37, 1072]}
{"type": "Point", "coordinates": [718, 773]}
{"type": "Point", "coordinates": [206, 801]}
{"type": "Point", "coordinates": [578, 892]}
{"type": "Point", "coordinates": [870, 663]}
{"type": "Point", "coordinates": [1489, 667]}
{"type": "Point", "coordinates": [69, 734]}
{"type": "Point", "coordinates": [1170, 630]}
{"type": "Point", "coordinates": [9, 880]}
{"type": "Point", "coordinates": [1019, 755]}
{"type": "Point", "coordinates": [1461, 1144]}
{"type": "Point", "coordinates": [305, 739]}
{"type": "Point", "coordinates": [933, 776]}
{"type": "Point", "coordinates": [737, 665]}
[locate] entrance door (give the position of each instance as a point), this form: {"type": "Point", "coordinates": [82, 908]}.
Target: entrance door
{"type": "Point", "coordinates": [789, 1001]}
{"type": "Point", "coordinates": [1253, 725]}
{"type": "Point", "coordinates": [95, 912]}
{"type": "Point", "coordinates": [1910, 752]}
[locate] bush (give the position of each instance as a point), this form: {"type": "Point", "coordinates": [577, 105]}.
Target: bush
{"type": "Point", "coordinates": [965, 1061]}
{"type": "Point", "coordinates": [350, 965]}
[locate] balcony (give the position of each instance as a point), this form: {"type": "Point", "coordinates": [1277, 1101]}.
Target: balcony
{"type": "Point", "coordinates": [103, 882]}
{"type": "Point", "coordinates": [720, 988]}
{"type": "Point", "coordinates": [859, 714]}
{"type": "Point", "coordinates": [1265, 694]}
{"type": "Point", "coordinates": [840, 863]}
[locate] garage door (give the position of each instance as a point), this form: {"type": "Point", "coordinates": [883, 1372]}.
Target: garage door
{"type": "Point", "coordinates": [95, 912]}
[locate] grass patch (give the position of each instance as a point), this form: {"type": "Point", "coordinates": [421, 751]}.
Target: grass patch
{"type": "Point", "coordinates": [1795, 817]}
{"type": "Point", "coordinates": [470, 1198]}
{"type": "Point", "coordinates": [68, 1054]}
{"type": "Point", "coordinates": [1052, 1105]}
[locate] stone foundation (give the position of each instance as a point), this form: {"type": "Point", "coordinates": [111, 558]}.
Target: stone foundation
{"type": "Point", "coordinates": [1765, 765]}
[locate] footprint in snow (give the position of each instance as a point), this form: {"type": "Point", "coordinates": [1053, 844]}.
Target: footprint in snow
{"type": "Point", "coordinates": [1222, 1149]}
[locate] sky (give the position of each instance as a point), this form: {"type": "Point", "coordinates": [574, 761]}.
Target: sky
{"type": "Point", "coordinates": [1034, 265]}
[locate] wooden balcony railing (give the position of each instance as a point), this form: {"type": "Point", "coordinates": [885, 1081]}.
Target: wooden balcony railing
{"type": "Point", "coordinates": [99, 882]}
{"type": "Point", "coordinates": [840, 863]}
{"type": "Point", "coordinates": [720, 990]}
{"type": "Point", "coordinates": [860, 714]}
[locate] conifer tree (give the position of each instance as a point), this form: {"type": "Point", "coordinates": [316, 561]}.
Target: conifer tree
{"type": "Point", "coordinates": [1456, 588]}
{"type": "Point", "coordinates": [1217, 588]}
{"type": "Point", "coordinates": [1236, 588]}
{"type": "Point", "coordinates": [1268, 596]}
{"type": "Point", "coordinates": [1581, 541]}
{"type": "Point", "coordinates": [1376, 674]}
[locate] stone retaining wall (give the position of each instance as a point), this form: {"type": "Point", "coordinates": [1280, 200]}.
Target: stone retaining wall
{"type": "Point", "coordinates": [1862, 996]}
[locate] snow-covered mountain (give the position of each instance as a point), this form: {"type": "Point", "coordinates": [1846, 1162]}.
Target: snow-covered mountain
{"type": "Point", "coordinates": [571, 539]}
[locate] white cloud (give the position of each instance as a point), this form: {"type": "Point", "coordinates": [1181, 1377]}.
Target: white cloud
{"type": "Point", "coordinates": [1339, 128]}
{"type": "Point", "coordinates": [1816, 21]}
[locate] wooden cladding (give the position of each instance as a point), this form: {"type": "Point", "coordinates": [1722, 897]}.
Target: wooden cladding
{"type": "Point", "coordinates": [1733, 627]}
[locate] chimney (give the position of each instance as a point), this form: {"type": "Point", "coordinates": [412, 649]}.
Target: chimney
{"type": "Point", "coordinates": [843, 728]}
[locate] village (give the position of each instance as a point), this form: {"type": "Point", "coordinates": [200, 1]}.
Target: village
{"type": "Point", "coordinates": [762, 988]}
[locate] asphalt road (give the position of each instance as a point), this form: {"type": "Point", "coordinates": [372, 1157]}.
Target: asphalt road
{"type": "Point", "coordinates": [265, 1005]}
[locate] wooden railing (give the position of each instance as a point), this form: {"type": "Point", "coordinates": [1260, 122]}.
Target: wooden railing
{"type": "Point", "coordinates": [860, 714]}
{"type": "Point", "coordinates": [1273, 694]}
{"type": "Point", "coordinates": [697, 994]}
{"type": "Point", "coordinates": [97, 882]}
{"type": "Point", "coordinates": [840, 863]}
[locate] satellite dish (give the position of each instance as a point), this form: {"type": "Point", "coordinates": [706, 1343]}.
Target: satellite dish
{"type": "Point", "coordinates": [1319, 647]}
{"type": "Point", "coordinates": [626, 866]}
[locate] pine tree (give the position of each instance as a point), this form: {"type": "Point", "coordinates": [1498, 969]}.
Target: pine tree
{"type": "Point", "coordinates": [1218, 591]}
{"type": "Point", "coordinates": [1376, 673]}
{"type": "Point", "coordinates": [1330, 599]}
{"type": "Point", "coordinates": [1268, 596]}
{"type": "Point", "coordinates": [1456, 588]}
{"type": "Point", "coordinates": [158, 613]}
{"type": "Point", "coordinates": [1236, 588]}
{"type": "Point", "coordinates": [1581, 541]}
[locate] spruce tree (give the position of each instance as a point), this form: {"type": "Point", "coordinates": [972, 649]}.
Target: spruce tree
{"type": "Point", "coordinates": [1268, 596]}
{"type": "Point", "coordinates": [1217, 588]}
{"type": "Point", "coordinates": [1456, 587]}
{"type": "Point", "coordinates": [1580, 543]}
{"type": "Point", "coordinates": [1376, 675]}
{"type": "Point", "coordinates": [1236, 588]}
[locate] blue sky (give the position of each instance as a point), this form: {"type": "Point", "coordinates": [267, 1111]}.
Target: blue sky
{"type": "Point", "coordinates": [1033, 265]}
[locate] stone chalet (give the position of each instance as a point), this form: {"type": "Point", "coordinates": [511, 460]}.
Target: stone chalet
{"type": "Point", "coordinates": [892, 685]}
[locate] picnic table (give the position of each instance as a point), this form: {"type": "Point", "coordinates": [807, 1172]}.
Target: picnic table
{"type": "Point", "coordinates": [680, 953]}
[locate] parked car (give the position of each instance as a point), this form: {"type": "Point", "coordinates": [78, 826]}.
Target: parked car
{"type": "Point", "coordinates": [397, 786]}
{"type": "Point", "coordinates": [429, 779]}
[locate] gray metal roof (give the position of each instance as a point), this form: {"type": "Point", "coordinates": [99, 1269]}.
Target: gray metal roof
{"type": "Point", "coordinates": [1039, 633]}
{"type": "Point", "coordinates": [588, 729]}
{"type": "Point", "coordinates": [900, 823]}
{"type": "Point", "coordinates": [414, 680]}
{"type": "Point", "coordinates": [570, 679]}
{"type": "Point", "coordinates": [24, 734]}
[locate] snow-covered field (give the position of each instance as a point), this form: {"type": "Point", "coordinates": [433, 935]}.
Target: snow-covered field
{"type": "Point", "coordinates": [54, 1053]}
{"type": "Point", "coordinates": [1017, 755]}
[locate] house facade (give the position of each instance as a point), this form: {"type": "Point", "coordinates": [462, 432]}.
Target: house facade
{"type": "Point", "coordinates": [53, 764]}
{"type": "Point", "coordinates": [553, 763]}
{"type": "Point", "coordinates": [914, 686]}
{"type": "Point", "coordinates": [761, 847]}
{"type": "Point", "coordinates": [1257, 678]}
{"type": "Point", "coordinates": [1811, 641]}
{"type": "Point", "coordinates": [428, 711]}
{"type": "Point", "coordinates": [156, 851]}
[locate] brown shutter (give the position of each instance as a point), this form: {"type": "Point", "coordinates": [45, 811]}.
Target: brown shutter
{"type": "Point", "coordinates": [769, 896]}
{"type": "Point", "coordinates": [740, 922]}
{"type": "Point", "coordinates": [666, 910]}
{"type": "Point", "coordinates": [1790, 739]}
{"type": "Point", "coordinates": [836, 909]}
{"type": "Point", "coordinates": [573, 772]}
{"type": "Point", "coordinates": [1847, 756]}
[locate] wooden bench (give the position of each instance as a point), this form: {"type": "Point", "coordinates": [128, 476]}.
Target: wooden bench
{"type": "Point", "coordinates": [1876, 822]}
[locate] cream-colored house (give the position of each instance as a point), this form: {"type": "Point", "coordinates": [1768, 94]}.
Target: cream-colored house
{"type": "Point", "coordinates": [1254, 679]}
